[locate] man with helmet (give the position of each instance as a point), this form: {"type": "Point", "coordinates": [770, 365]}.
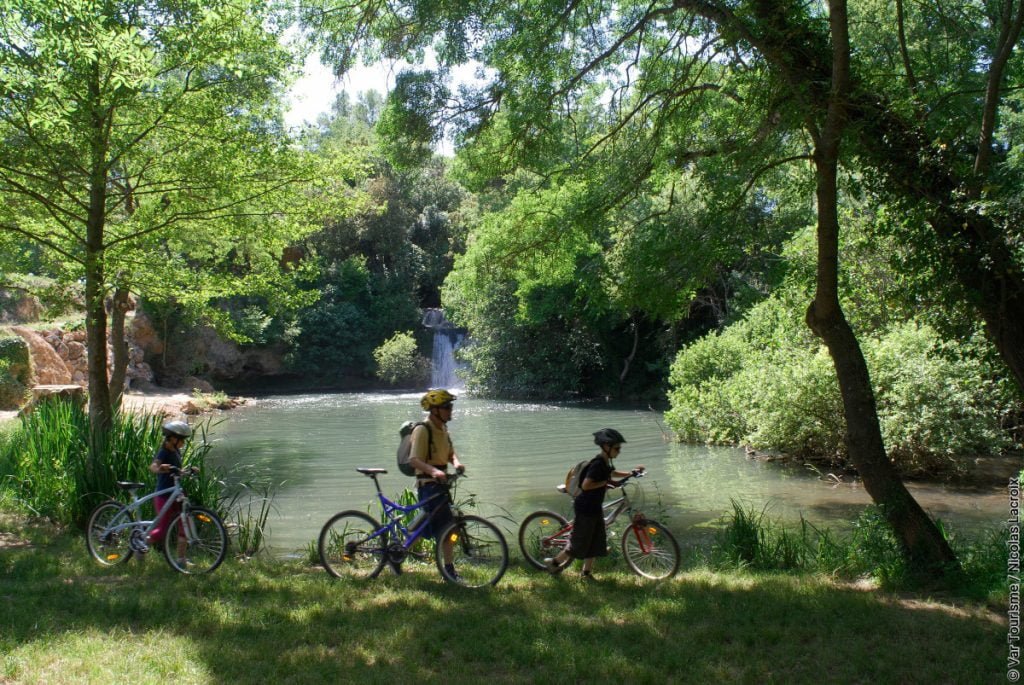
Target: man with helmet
{"type": "Point", "coordinates": [431, 453]}
{"type": "Point", "coordinates": [589, 539]}
{"type": "Point", "coordinates": [166, 460]}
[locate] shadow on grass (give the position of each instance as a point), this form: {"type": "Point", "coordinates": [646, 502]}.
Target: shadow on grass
{"type": "Point", "coordinates": [281, 624]}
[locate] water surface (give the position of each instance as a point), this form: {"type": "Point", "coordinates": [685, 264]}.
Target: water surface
{"type": "Point", "coordinates": [516, 453]}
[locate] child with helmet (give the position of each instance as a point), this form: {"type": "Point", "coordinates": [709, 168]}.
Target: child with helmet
{"type": "Point", "coordinates": [589, 538]}
{"type": "Point", "coordinates": [166, 460]}
{"type": "Point", "coordinates": [431, 454]}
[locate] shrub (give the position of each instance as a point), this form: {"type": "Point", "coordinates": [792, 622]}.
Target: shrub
{"type": "Point", "coordinates": [15, 372]}
{"type": "Point", "coordinates": [45, 465]}
{"type": "Point", "coordinates": [399, 362]}
{"type": "Point", "coordinates": [762, 382]}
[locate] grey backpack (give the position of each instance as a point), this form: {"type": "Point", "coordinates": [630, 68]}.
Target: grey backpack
{"type": "Point", "coordinates": [405, 446]}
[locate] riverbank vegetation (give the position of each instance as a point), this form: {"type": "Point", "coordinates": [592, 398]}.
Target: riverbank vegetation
{"type": "Point", "coordinates": [264, 620]}
{"type": "Point", "coordinates": [676, 208]}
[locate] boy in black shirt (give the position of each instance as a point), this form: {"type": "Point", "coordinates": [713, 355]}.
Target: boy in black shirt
{"type": "Point", "coordinates": [589, 539]}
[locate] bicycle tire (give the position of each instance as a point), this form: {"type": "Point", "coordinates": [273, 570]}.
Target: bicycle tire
{"type": "Point", "coordinates": [109, 549]}
{"type": "Point", "coordinates": [536, 539]}
{"type": "Point", "coordinates": [364, 560]}
{"type": "Point", "coordinates": [650, 550]}
{"type": "Point", "coordinates": [479, 551]}
{"type": "Point", "coordinates": [206, 542]}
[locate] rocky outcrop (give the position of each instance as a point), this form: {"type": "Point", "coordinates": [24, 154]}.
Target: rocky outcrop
{"type": "Point", "coordinates": [50, 368]}
{"type": "Point", "coordinates": [60, 357]}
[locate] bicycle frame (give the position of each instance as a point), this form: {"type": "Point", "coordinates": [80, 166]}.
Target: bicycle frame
{"type": "Point", "coordinates": [175, 493]}
{"type": "Point", "coordinates": [612, 511]}
{"type": "Point", "coordinates": [394, 513]}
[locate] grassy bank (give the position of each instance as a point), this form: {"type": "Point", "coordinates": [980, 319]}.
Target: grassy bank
{"type": "Point", "coordinates": [65, 620]}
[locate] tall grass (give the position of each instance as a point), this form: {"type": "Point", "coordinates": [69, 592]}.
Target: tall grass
{"type": "Point", "coordinates": [750, 540]}
{"type": "Point", "coordinates": [45, 465]}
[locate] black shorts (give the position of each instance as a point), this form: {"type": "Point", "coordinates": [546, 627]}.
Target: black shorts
{"type": "Point", "coordinates": [443, 516]}
{"type": "Point", "coordinates": [588, 538]}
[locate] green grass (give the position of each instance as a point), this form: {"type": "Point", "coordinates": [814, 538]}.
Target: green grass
{"type": "Point", "coordinates": [261, 621]}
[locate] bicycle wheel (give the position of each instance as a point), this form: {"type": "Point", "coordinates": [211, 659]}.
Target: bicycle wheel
{"type": "Point", "coordinates": [650, 550]}
{"type": "Point", "coordinates": [479, 552]}
{"type": "Point", "coordinates": [543, 534]}
{"type": "Point", "coordinates": [109, 548]}
{"type": "Point", "coordinates": [206, 542]}
{"type": "Point", "coordinates": [348, 547]}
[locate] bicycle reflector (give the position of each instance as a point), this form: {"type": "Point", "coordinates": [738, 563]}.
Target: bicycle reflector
{"type": "Point", "coordinates": [203, 517]}
{"type": "Point", "coordinates": [454, 537]}
{"type": "Point", "coordinates": [112, 557]}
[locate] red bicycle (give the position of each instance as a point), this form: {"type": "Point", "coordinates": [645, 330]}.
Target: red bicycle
{"type": "Point", "coordinates": [648, 547]}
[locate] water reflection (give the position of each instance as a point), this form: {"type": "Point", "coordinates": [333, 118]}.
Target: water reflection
{"type": "Point", "coordinates": [516, 454]}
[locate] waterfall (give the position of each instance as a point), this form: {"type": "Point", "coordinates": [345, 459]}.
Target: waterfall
{"type": "Point", "coordinates": [442, 363]}
{"type": "Point", "coordinates": [447, 339]}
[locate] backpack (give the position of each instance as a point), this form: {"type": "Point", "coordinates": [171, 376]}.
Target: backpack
{"type": "Point", "coordinates": [405, 446]}
{"type": "Point", "coordinates": [574, 479]}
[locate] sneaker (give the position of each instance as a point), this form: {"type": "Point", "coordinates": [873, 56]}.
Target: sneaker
{"type": "Point", "coordinates": [452, 573]}
{"type": "Point", "coordinates": [587, 575]}
{"type": "Point", "coordinates": [552, 566]}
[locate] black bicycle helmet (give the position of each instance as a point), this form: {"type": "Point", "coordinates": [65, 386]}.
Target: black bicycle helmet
{"type": "Point", "coordinates": [178, 428]}
{"type": "Point", "coordinates": [608, 436]}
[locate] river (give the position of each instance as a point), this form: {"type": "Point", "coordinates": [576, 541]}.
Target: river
{"type": "Point", "coordinates": [309, 446]}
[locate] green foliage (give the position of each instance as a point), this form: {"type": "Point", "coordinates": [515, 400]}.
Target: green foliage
{"type": "Point", "coordinates": [15, 372]}
{"type": "Point", "coordinates": [765, 381]}
{"type": "Point", "coordinates": [399, 361]}
{"type": "Point", "coordinates": [44, 463]}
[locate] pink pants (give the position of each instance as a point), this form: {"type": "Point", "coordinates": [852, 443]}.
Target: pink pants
{"type": "Point", "coordinates": [157, 534]}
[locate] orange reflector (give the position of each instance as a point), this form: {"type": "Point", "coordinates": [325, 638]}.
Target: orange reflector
{"type": "Point", "coordinates": [453, 537]}
{"type": "Point", "coordinates": [652, 531]}
{"type": "Point", "coordinates": [111, 557]}
{"type": "Point", "coordinates": [204, 518]}
{"type": "Point", "coordinates": [545, 521]}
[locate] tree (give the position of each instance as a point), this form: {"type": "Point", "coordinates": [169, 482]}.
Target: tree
{"type": "Point", "coordinates": [753, 83]}
{"type": "Point", "coordinates": [144, 152]}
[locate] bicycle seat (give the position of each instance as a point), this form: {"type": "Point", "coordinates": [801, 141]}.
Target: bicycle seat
{"type": "Point", "coordinates": [370, 472]}
{"type": "Point", "coordinates": [125, 485]}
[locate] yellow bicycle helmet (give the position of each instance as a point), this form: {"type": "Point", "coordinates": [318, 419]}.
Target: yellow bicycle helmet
{"type": "Point", "coordinates": [435, 397]}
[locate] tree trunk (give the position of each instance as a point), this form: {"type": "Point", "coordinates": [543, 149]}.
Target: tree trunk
{"type": "Point", "coordinates": [119, 346]}
{"type": "Point", "coordinates": [923, 544]}
{"type": "Point", "coordinates": [100, 415]}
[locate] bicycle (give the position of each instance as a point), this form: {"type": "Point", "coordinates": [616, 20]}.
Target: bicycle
{"type": "Point", "coordinates": [354, 544]}
{"type": "Point", "coordinates": [115, 533]}
{"type": "Point", "coordinates": [648, 547]}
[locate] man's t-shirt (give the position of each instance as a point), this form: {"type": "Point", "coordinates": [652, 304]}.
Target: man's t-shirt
{"type": "Point", "coordinates": [589, 502]}
{"type": "Point", "coordinates": [440, 445]}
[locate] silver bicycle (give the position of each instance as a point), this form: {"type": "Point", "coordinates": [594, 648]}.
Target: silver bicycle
{"type": "Point", "coordinates": [195, 541]}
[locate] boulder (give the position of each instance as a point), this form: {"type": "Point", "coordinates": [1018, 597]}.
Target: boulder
{"type": "Point", "coordinates": [50, 369]}
{"type": "Point", "coordinates": [143, 334]}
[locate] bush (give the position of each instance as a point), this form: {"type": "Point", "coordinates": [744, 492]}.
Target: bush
{"type": "Point", "coordinates": [15, 372]}
{"type": "Point", "coordinates": [400, 363]}
{"type": "Point", "coordinates": [45, 465]}
{"type": "Point", "coordinates": [765, 383]}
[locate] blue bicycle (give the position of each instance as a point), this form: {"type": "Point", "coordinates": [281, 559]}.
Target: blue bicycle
{"type": "Point", "coordinates": [354, 545]}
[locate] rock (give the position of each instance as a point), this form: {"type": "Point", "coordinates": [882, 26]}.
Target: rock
{"type": "Point", "coordinates": [68, 393]}
{"type": "Point", "coordinates": [191, 383]}
{"type": "Point", "coordinates": [50, 369]}
{"type": "Point", "coordinates": [144, 335]}
{"type": "Point", "coordinates": [76, 350]}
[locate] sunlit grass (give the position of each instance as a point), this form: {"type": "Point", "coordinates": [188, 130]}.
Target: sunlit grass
{"type": "Point", "coordinates": [264, 621]}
